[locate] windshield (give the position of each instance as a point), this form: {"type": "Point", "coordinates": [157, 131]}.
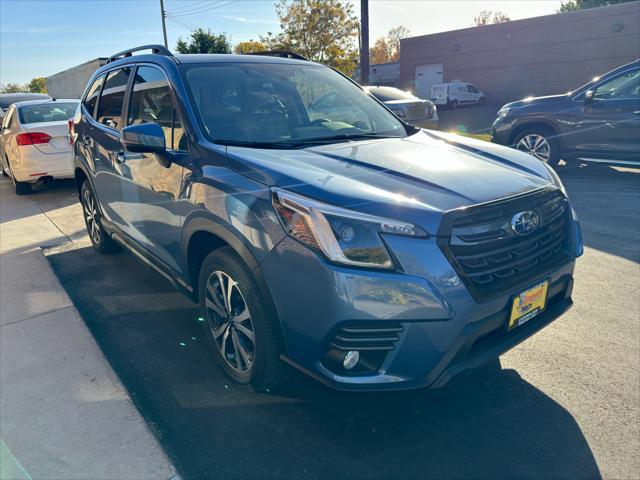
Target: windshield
{"type": "Point", "coordinates": [47, 112]}
{"type": "Point", "coordinates": [257, 103]}
{"type": "Point", "coordinates": [389, 94]}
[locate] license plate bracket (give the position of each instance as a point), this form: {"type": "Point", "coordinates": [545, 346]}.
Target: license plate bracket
{"type": "Point", "coordinates": [528, 304]}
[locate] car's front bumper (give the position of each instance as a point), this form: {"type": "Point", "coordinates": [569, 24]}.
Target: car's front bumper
{"type": "Point", "coordinates": [444, 331]}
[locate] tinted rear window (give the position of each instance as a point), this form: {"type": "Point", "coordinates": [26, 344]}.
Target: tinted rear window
{"type": "Point", "coordinates": [112, 98]}
{"type": "Point", "coordinates": [7, 100]}
{"type": "Point", "coordinates": [388, 94]}
{"type": "Point", "coordinates": [91, 99]}
{"type": "Point", "coordinates": [47, 112]}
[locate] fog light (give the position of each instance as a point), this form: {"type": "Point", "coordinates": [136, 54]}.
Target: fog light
{"type": "Point", "coordinates": [350, 359]}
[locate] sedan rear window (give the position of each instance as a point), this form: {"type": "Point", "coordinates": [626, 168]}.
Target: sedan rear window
{"type": "Point", "coordinates": [47, 112]}
{"type": "Point", "coordinates": [389, 94]}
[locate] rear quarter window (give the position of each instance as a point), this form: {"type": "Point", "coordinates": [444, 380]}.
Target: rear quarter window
{"type": "Point", "coordinates": [91, 99]}
{"type": "Point", "coordinates": [112, 98]}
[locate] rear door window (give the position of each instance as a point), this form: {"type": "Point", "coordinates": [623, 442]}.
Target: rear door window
{"type": "Point", "coordinates": [112, 98]}
{"type": "Point", "coordinates": [91, 99]}
{"type": "Point", "coordinates": [151, 102]}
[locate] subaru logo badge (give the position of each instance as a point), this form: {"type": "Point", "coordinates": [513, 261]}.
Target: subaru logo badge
{"type": "Point", "coordinates": [524, 223]}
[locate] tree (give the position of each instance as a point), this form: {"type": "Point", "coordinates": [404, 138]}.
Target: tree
{"type": "Point", "coordinates": [488, 17]}
{"type": "Point", "coordinates": [380, 52]}
{"type": "Point", "coordinates": [572, 5]}
{"type": "Point", "coordinates": [251, 46]}
{"type": "Point", "coordinates": [204, 41]}
{"type": "Point", "coordinates": [322, 30]}
{"type": "Point", "coordinates": [393, 38]}
{"type": "Point", "coordinates": [38, 85]}
{"type": "Point", "coordinates": [387, 49]}
{"type": "Point", "coordinates": [14, 88]}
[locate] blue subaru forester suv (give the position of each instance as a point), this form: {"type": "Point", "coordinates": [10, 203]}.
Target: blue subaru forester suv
{"type": "Point", "coordinates": [315, 228]}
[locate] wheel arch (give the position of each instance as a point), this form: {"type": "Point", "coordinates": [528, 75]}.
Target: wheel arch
{"type": "Point", "coordinates": [80, 176]}
{"type": "Point", "coordinates": [202, 235]}
{"type": "Point", "coordinates": [540, 123]}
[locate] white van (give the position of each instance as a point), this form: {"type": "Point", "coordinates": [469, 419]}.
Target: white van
{"type": "Point", "coordinates": [455, 94]}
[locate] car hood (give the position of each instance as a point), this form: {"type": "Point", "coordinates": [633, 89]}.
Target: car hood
{"type": "Point", "coordinates": [414, 179]}
{"type": "Point", "coordinates": [549, 99]}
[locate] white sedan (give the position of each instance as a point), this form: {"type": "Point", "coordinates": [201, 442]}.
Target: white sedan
{"type": "Point", "coordinates": [34, 142]}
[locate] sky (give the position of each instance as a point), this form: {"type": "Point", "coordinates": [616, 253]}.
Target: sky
{"type": "Point", "coordinates": [43, 37]}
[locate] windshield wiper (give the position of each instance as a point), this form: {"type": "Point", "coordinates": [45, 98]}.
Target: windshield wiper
{"type": "Point", "coordinates": [342, 136]}
{"type": "Point", "coordinates": [301, 142]}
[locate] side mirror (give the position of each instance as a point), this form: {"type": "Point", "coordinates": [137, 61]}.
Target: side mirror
{"type": "Point", "coordinates": [143, 138]}
{"type": "Point", "coordinates": [588, 96]}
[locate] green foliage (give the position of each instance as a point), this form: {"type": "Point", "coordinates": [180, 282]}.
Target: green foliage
{"type": "Point", "coordinates": [38, 85]}
{"type": "Point", "coordinates": [14, 88]}
{"type": "Point", "coordinates": [572, 5]}
{"type": "Point", "coordinates": [324, 31]}
{"type": "Point", "coordinates": [204, 41]}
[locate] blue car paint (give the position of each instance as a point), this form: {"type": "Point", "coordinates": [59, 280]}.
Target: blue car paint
{"type": "Point", "coordinates": [226, 191]}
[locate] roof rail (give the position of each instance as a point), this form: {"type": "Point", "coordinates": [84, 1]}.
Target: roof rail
{"type": "Point", "coordinates": [155, 49]}
{"type": "Point", "coordinates": [281, 54]}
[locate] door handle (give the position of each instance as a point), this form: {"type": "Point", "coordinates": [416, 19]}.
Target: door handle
{"type": "Point", "coordinates": [637, 112]}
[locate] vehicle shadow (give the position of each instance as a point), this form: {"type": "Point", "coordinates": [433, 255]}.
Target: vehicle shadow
{"type": "Point", "coordinates": [490, 424]}
{"type": "Point", "coordinates": [607, 200]}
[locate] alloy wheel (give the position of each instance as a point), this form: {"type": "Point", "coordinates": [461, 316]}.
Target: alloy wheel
{"type": "Point", "coordinates": [536, 145]}
{"type": "Point", "coordinates": [91, 216]}
{"type": "Point", "coordinates": [230, 322]}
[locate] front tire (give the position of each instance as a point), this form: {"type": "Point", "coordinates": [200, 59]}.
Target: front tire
{"type": "Point", "coordinates": [239, 324]}
{"type": "Point", "coordinates": [100, 239]}
{"type": "Point", "coordinates": [541, 142]}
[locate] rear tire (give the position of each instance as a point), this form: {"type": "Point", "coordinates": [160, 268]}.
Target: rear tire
{"type": "Point", "coordinates": [21, 188]}
{"type": "Point", "coordinates": [100, 239]}
{"type": "Point", "coordinates": [454, 105]}
{"type": "Point", "coordinates": [241, 327]}
{"type": "Point", "coordinates": [2, 170]}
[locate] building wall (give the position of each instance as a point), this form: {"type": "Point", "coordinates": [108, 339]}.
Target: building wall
{"type": "Point", "coordinates": [71, 83]}
{"type": "Point", "coordinates": [387, 74]}
{"type": "Point", "coordinates": [537, 56]}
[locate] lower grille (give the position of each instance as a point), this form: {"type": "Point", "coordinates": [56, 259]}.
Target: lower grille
{"type": "Point", "coordinates": [367, 337]}
{"type": "Point", "coordinates": [490, 258]}
{"type": "Point", "coordinates": [373, 341]}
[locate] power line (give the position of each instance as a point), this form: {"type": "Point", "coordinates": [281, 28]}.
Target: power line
{"type": "Point", "coordinates": [204, 9]}
{"type": "Point", "coordinates": [189, 7]}
{"type": "Point", "coordinates": [197, 9]}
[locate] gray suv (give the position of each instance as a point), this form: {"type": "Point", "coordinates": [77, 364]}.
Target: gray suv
{"type": "Point", "coordinates": [362, 251]}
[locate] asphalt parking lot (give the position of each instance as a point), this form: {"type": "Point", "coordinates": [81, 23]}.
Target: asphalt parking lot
{"type": "Point", "coordinates": [565, 404]}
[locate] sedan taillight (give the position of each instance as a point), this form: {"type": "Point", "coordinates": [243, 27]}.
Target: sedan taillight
{"type": "Point", "coordinates": [32, 138]}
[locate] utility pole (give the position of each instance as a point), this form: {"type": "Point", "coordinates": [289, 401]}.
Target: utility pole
{"type": "Point", "coordinates": [164, 23]}
{"type": "Point", "coordinates": [364, 42]}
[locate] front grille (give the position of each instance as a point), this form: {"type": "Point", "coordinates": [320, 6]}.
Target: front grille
{"type": "Point", "coordinates": [367, 337]}
{"type": "Point", "coordinates": [490, 258]}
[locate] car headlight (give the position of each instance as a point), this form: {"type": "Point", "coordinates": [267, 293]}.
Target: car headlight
{"type": "Point", "coordinates": [504, 112]}
{"type": "Point", "coordinates": [342, 236]}
{"type": "Point", "coordinates": [556, 179]}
